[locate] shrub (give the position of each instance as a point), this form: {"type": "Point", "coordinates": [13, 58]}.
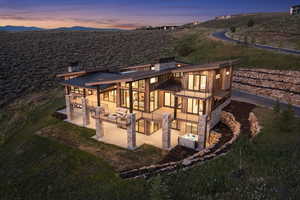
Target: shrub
{"type": "Point", "coordinates": [232, 29]}
{"type": "Point", "coordinates": [184, 50]}
{"type": "Point", "coordinates": [287, 119]}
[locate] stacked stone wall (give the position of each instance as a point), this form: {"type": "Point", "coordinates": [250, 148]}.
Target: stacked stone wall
{"type": "Point", "coordinates": [277, 84]}
{"type": "Point", "coordinates": [191, 161]}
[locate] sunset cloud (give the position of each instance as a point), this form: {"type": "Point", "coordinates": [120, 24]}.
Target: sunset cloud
{"type": "Point", "coordinates": [127, 14]}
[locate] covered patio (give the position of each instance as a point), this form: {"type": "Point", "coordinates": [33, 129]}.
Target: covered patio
{"type": "Point", "coordinates": [118, 136]}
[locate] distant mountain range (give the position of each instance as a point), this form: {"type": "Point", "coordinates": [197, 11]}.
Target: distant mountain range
{"type": "Point", "coordinates": [73, 28]}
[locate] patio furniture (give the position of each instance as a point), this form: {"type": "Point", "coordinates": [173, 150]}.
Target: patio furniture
{"type": "Point", "coordinates": [122, 113]}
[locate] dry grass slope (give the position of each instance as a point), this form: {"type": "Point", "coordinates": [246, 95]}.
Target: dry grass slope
{"type": "Point", "coordinates": [30, 60]}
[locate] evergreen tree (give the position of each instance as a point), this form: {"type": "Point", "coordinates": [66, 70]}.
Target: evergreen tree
{"type": "Point", "coordinates": [159, 190]}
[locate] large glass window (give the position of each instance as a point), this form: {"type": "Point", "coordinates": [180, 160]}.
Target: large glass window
{"type": "Point", "coordinates": [108, 96]}
{"type": "Point", "coordinates": [153, 100]}
{"type": "Point", "coordinates": [125, 98]}
{"type": "Point", "coordinates": [195, 106]}
{"type": "Point", "coordinates": [138, 84]}
{"type": "Point", "coordinates": [153, 80]}
{"type": "Point", "coordinates": [169, 99]}
{"type": "Point", "coordinates": [191, 128]}
{"type": "Point", "coordinates": [140, 126]}
{"type": "Point", "coordinates": [197, 82]}
{"type": "Point", "coordinates": [137, 97]}
{"type": "Point", "coordinates": [151, 126]}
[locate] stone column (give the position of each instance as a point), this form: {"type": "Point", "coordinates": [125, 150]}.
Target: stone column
{"type": "Point", "coordinates": [131, 133]}
{"type": "Point", "coordinates": [99, 124]}
{"type": "Point", "coordinates": [207, 131]}
{"type": "Point", "coordinates": [166, 132]}
{"type": "Point", "coordinates": [85, 113]}
{"type": "Point", "coordinates": [202, 127]}
{"type": "Point", "coordinates": [69, 109]}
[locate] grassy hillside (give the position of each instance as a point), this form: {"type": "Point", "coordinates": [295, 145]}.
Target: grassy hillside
{"type": "Point", "coordinates": [276, 29]}
{"type": "Point", "coordinates": [196, 46]}
{"type": "Point", "coordinates": [34, 167]}
{"type": "Point", "coordinates": [30, 60]}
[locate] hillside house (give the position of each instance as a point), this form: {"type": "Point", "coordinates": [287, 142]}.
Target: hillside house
{"type": "Point", "coordinates": [295, 10]}
{"type": "Point", "coordinates": [161, 104]}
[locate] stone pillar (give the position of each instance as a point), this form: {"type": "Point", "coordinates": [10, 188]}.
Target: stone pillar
{"type": "Point", "coordinates": [166, 132]}
{"type": "Point", "coordinates": [131, 133]}
{"type": "Point", "coordinates": [69, 109]}
{"type": "Point", "coordinates": [207, 131]}
{"type": "Point", "coordinates": [99, 124]}
{"type": "Point", "coordinates": [85, 113]}
{"type": "Point", "coordinates": [202, 128]}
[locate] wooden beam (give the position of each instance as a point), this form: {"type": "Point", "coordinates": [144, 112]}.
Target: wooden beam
{"type": "Point", "coordinates": [84, 92]}
{"type": "Point", "coordinates": [176, 106]}
{"type": "Point", "coordinates": [130, 98]}
{"type": "Point", "coordinates": [98, 96]}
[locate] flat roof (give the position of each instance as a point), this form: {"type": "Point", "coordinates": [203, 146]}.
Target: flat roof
{"type": "Point", "coordinates": [91, 79]}
{"type": "Point", "coordinates": [81, 81]}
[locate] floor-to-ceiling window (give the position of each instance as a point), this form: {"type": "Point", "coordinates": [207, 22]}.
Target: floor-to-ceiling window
{"type": "Point", "coordinates": [169, 99]}
{"type": "Point", "coordinates": [146, 126]}
{"type": "Point", "coordinates": [197, 82]}
{"type": "Point", "coordinates": [195, 106]}
{"type": "Point", "coordinates": [125, 98]}
{"type": "Point", "coordinates": [153, 100]}
{"type": "Point", "coordinates": [138, 96]}
{"type": "Point", "coordinates": [191, 128]}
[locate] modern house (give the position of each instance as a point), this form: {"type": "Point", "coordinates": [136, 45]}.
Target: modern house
{"type": "Point", "coordinates": [162, 104]}
{"type": "Point", "coordinates": [295, 10]}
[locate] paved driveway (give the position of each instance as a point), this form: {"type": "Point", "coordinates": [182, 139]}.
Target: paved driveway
{"type": "Point", "coordinates": [259, 100]}
{"type": "Point", "coordinates": [221, 35]}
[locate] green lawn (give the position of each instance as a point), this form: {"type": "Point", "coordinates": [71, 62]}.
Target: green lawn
{"type": "Point", "coordinates": [195, 46]}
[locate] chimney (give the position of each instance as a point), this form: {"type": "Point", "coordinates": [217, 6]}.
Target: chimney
{"type": "Point", "coordinates": [165, 63]}
{"type": "Point", "coordinates": [73, 67]}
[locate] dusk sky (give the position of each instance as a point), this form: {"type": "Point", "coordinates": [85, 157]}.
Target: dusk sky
{"type": "Point", "coordinates": [127, 14]}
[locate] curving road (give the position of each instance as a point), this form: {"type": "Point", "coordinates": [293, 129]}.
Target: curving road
{"type": "Point", "coordinates": [222, 36]}
{"type": "Point", "coordinates": [242, 96]}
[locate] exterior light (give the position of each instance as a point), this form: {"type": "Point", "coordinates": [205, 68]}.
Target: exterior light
{"type": "Point", "coordinates": [218, 76]}
{"type": "Point", "coordinates": [178, 65]}
{"type": "Point", "coordinates": [227, 73]}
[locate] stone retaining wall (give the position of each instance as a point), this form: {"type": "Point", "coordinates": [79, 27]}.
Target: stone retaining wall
{"type": "Point", "coordinates": [277, 84]}
{"type": "Point", "coordinates": [197, 158]}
